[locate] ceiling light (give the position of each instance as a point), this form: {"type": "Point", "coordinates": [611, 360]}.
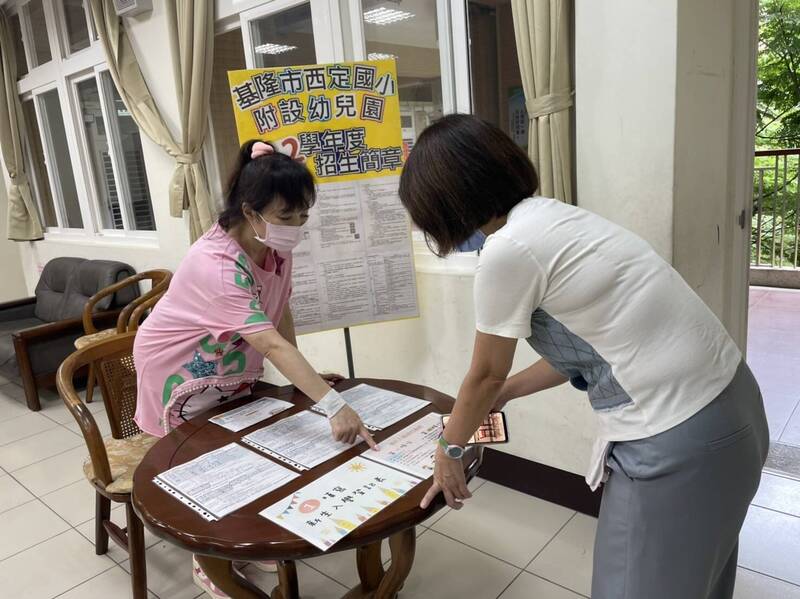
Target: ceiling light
{"type": "Point", "coordinates": [386, 16]}
{"type": "Point", "coordinates": [274, 48]}
{"type": "Point", "coordinates": [380, 56]}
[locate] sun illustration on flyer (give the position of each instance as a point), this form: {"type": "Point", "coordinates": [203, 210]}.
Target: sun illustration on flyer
{"type": "Point", "coordinates": [357, 467]}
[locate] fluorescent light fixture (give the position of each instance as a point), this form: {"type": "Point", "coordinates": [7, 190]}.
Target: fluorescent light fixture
{"type": "Point", "coordinates": [380, 56]}
{"type": "Point", "coordinates": [274, 48]}
{"type": "Point", "coordinates": [386, 16]}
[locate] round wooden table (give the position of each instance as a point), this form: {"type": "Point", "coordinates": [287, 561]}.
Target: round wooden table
{"type": "Point", "coordinates": [246, 536]}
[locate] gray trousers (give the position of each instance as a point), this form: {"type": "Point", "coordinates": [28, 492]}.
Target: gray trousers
{"type": "Point", "coordinates": [674, 503]}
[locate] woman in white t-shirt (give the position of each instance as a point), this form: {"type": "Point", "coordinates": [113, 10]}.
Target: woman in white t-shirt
{"type": "Point", "coordinates": [682, 434]}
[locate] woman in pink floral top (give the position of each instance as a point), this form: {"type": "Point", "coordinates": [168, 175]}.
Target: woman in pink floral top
{"type": "Point", "coordinates": [227, 308]}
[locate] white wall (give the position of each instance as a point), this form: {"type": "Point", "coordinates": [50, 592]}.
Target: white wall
{"type": "Point", "coordinates": [151, 43]}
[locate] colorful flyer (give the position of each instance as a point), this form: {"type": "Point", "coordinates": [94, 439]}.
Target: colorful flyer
{"type": "Point", "coordinates": [355, 264]}
{"type": "Point", "coordinates": [334, 505]}
{"type": "Point", "coordinates": [412, 450]}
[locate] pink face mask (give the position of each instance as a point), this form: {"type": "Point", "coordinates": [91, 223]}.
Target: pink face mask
{"type": "Point", "coordinates": [283, 238]}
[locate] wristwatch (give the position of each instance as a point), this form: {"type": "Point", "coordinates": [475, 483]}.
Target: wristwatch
{"type": "Point", "coordinates": [455, 452]}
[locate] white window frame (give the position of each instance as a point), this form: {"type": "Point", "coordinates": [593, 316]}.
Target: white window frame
{"type": "Point", "coordinates": [63, 32]}
{"type": "Point", "coordinates": [326, 23]}
{"type": "Point", "coordinates": [453, 27]}
{"type": "Point", "coordinates": [62, 73]}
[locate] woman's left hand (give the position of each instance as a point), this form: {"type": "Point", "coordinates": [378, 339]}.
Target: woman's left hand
{"type": "Point", "coordinates": [331, 378]}
{"type": "Point", "coordinates": [448, 477]}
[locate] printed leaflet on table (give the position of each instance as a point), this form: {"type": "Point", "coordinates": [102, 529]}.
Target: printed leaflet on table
{"type": "Point", "coordinates": [303, 440]}
{"type": "Point", "coordinates": [337, 503]}
{"type": "Point", "coordinates": [379, 408]}
{"type": "Point", "coordinates": [221, 481]}
{"type": "Point", "coordinates": [251, 413]}
{"type": "Point", "coordinates": [411, 450]}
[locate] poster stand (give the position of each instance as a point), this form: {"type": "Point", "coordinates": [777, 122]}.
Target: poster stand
{"type": "Point", "coordinates": [348, 346]}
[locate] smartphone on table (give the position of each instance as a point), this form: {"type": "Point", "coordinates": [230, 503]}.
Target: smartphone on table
{"type": "Point", "coordinates": [492, 430]}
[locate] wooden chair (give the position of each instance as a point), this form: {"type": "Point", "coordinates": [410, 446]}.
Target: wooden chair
{"type": "Point", "coordinates": [111, 462]}
{"type": "Point", "coordinates": [128, 320]}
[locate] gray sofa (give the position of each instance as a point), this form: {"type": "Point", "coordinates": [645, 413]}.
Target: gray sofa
{"type": "Point", "coordinates": [37, 333]}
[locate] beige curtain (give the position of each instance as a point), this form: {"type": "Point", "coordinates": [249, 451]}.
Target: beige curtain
{"type": "Point", "coordinates": [23, 218]}
{"type": "Point", "coordinates": [542, 33]}
{"type": "Point", "coordinates": [191, 27]}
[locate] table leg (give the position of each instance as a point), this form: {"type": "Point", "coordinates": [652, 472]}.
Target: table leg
{"type": "Point", "coordinates": [403, 546]}
{"type": "Point", "coordinates": [222, 574]}
{"type": "Point", "coordinates": [375, 583]}
{"type": "Point", "coordinates": [287, 582]}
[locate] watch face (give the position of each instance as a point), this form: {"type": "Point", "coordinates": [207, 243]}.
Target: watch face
{"type": "Point", "coordinates": [455, 452]}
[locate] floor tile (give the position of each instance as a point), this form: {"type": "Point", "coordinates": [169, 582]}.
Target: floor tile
{"type": "Point", "coordinates": [51, 568]}
{"type": "Point", "coordinates": [23, 426]}
{"type": "Point", "coordinates": [769, 544]}
{"type": "Point", "coordinates": [752, 585]}
{"type": "Point", "coordinates": [11, 408]}
{"type": "Point", "coordinates": [53, 473]}
{"type": "Point", "coordinates": [169, 572]}
{"type": "Point", "coordinates": [446, 568]}
{"type": "Point", "coordinates": [567, 560]}
{"type": "Point", "coordinates": [12, 494]}
{"type": "Point", "coordinates": [25, 526]}
{"type": "Point", "coordinates": [115, 582]}
{"type": "Point", "coordinates": [341, 566]}
{"type": "Point", "coordinates": [505, 523]}
{"type": "Point", "coordinates": [117, 517]}
{"type": "Point", "coordinates": [779, 493]}
{"type": "Point", "coordinates": [473, 485]}
{"type": "Point", "coordinates": [74, 503]}
{"type": "Point", "coordinates": [37, 447]}
{"type": "Point", "coordinates": [13, 391]}
{"type": "Point", "coordinates": [57, 410]}
{"type": "Point", "coordinates": [791, 432]}
{"type": "Point", "coordinates": [313, 585]}
{"type": "Point", "coordinates": [527, 585]}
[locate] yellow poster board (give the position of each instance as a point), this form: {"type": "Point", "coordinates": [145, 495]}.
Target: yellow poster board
{"type": "Point", "coordinates": [343, 118]}
{"type": "Point", "coordinates": [355, 264]}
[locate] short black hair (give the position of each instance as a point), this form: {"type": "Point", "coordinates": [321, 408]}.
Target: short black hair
{"type": "Point", "coordinates": [258, 182]}
{"type": "Point", "coordinates": [462, 173]}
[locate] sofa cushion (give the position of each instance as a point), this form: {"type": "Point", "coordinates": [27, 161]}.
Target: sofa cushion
{"type": "Point", "coordinates": [52, 286]}
{"type": "Point", "coordinates": [8, 359]}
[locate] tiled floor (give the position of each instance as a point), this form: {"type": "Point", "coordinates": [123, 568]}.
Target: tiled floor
{"type": "Point", "coordinates": [773, 352]}
{"type": "Point", "coordinates": [502, 544]}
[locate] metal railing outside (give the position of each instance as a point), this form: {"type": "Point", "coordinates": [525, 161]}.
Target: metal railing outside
{"type": "Point", "coordinates": [776, 209]}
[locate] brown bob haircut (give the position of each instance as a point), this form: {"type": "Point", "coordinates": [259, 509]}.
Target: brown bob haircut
{"type": "Point", "coordinates": [462, 173]}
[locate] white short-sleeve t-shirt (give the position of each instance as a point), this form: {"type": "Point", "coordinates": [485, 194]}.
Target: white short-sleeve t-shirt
{"type": "Point", "coordinates": [604, 309]}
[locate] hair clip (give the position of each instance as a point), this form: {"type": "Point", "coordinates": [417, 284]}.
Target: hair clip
{"type": "Point", "coordinates": [261, 149]}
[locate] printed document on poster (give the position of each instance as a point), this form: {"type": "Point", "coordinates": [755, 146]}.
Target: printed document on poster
{"type": "Point", "coordinates": [355, 264]}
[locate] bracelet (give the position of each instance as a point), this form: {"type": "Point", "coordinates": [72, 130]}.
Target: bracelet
{"type": "Point", "coordinates": [331, 403]}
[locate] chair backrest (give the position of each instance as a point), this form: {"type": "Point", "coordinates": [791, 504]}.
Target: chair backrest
{"type": "Point", "coordinates": [133, 313]}
{"type": "Point", "coordinates": [113, 361]}
{"type": "Point", "coordinates": [114, 354]}
{"type": "Point", "coordinates": [67, 283]}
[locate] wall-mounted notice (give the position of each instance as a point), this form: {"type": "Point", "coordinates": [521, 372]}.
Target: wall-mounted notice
{"type": "Point", "coordinates": [355, 264]}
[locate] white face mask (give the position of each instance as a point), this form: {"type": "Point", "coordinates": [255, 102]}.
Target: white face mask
{"type": "Point", "coordinates": [283, 238]}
